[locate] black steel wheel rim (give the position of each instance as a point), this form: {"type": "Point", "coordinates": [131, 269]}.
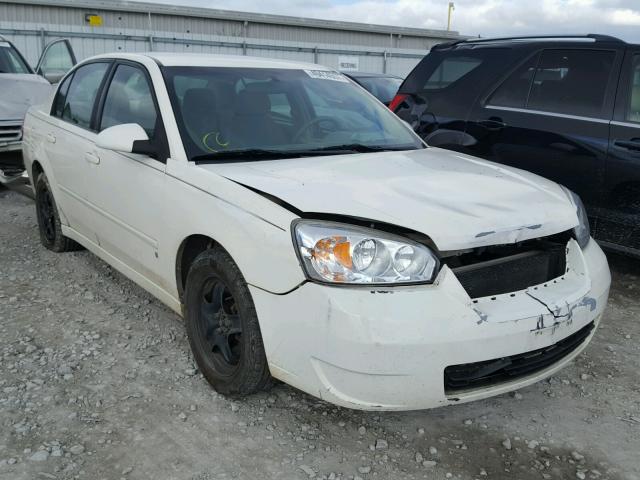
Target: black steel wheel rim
{"type": "Point", "coordinates": [46, 214]}
{"type": "Point", "coordinates": [220, 326]}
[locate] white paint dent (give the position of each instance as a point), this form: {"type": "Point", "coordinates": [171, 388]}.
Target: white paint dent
{"type": "Point", "coordinates": [458, 201]}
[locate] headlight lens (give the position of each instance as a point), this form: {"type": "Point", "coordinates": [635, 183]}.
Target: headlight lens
{"type": "Point", "coordinates": [338, 253]}
{"type": "Point", "coordinates": [582, 232]}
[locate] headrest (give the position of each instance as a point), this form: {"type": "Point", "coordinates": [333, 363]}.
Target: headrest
{"type": "Point", "coordinates": [199, 102]}
{"type": "Point", "coordinates": [253, 103]}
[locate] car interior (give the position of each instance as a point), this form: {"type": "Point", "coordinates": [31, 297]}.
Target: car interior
{"type": "Point", "coordinates": [235, 111]}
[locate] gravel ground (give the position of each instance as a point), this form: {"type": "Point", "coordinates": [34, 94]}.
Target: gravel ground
{"type": "Point", "coordinates": [97, 382]}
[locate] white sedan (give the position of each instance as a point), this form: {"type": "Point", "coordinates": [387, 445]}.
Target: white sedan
{"type": "Point", "coordinates": [306, 234]}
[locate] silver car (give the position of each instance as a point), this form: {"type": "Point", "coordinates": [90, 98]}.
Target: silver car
{"type": "Point", "coordinates": [20, 87]}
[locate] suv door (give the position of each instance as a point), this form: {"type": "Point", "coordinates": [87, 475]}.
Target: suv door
{"type": "Point", "coordinates": [437, 96]}
{"type": "Point", "coordinates": [128, 190]}
{"type": "Point", "coordinates": [551, 116]}
{"type": "Point", "coordinates": [56, 60]}
{"type": "Point", "coordinates": [68, 141]}
{"type": "Point", "coordinates": [620, 215]}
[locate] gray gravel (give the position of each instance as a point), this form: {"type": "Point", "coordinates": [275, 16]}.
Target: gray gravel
{"type": "Point", "coordinates": [97, 382]}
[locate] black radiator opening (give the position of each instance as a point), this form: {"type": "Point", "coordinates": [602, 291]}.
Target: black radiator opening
{"type": "Point", "coordinates": [499, 269]}
{"type": "Point", "coordinates": [499, 370]}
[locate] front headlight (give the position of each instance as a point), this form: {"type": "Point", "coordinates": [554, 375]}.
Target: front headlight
{"type": "Point", "coordinates": [338, 253]}
{"type": "Point", "coordinates": [582, 232]}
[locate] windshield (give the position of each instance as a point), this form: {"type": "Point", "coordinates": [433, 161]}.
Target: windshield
{"type": "Point", "coordinates": [221, 110]}
{"type": "Point", "coordinates": [383, 88]}
{"type": "Point", "coordinates": [10, 60]}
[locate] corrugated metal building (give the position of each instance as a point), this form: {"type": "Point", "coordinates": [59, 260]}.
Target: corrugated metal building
{"type": "Point", "coordinates": [103, 26]}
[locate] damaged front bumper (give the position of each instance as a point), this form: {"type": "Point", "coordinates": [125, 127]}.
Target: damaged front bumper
{"type": "Point", "coordinates": [388, 348]}
{"type": "Point", "coordinates": [11, 162]}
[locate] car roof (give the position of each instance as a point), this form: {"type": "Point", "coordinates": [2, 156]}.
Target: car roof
{"type": "Point", "coordinates": [370, 74]}
{"type": "Point", "coordinates": [524, 41]}
{"type": "Point", "coordinates": [171, 59]}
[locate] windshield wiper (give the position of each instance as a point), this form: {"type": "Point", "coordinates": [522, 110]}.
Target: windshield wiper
{"type": "Point", "coordinates": [246, 155]}
{"type": "Point", "coordinates": [360, 148]}
{"type": "Point", "coordinates": [257, 154]}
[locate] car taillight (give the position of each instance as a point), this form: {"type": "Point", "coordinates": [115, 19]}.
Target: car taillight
{"type": "Point", "coordinates": [397, 100]}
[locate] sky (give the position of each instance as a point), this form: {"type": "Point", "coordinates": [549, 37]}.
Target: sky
{"type": "Point", "coordinates": [486, 18]}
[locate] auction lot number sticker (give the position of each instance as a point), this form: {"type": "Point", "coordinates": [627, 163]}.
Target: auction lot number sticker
{"type": "Point", "coordinates": [327, 75]}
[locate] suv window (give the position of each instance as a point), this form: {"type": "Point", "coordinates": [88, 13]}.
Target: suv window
{"type": "Point", "coordinates": [81, 97]}
{"type": "Point", "coordinates": [450, 70]}
{"type": "Point", "coordinates": [514, 90]}
{"type": "Point", "coordinates": [129, 100]}
{"type": "Point", "coordinates": [633, 112]}
{"type": "Point", "coordinates": [571, 81]}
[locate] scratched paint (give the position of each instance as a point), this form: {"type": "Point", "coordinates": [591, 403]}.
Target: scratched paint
{"type": "Point", "coordinates": [482, 316]}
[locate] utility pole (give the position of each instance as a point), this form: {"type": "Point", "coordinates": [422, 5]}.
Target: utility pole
{"type": "Point", "coordinates": [451, 9]}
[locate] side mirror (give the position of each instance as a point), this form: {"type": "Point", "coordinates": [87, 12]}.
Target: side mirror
{"type": "Point", "coordinates": [125, 138]}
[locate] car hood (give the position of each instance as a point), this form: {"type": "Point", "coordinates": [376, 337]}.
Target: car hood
{"type": "Point", "coordinates": [19, 91]}
{"type": "Point", "coordinates": [457, 200]}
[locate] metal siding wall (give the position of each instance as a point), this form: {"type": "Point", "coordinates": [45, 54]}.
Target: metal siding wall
{"type": "Point", "coordinates": [284, 38]}
{"type": "Point", "coordinates": [401, 66]}
{"type": "Point", "coordinates": [317, 35]}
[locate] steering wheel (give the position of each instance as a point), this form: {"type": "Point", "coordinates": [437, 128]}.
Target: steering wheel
{"type": "Point", "coordinates": [315, 121]}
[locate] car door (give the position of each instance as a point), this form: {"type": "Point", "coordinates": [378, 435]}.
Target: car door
{"type": "Point", "coordinates": [551, 116]}
{"type": "Point", "coordinates": [127, 190]}
{"type": "Point", "coordinates": [56, 60]}
{"type": "Point", "coordinates": [68, 137]}
{"type": "Point", "coordinates": [620, 216]}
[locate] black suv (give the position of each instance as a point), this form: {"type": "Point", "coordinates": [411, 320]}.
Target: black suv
{"type": "Point", "coordinates": [566, 108]}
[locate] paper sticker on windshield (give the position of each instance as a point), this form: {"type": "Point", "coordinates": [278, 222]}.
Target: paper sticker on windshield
{"type": "Point", "coordinates": [327, 75]}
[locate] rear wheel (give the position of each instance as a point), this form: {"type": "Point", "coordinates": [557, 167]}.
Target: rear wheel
{"type": "Point", "coordinates": [49, 219]}
{"type": "Point", "coordinates": [222, 326]}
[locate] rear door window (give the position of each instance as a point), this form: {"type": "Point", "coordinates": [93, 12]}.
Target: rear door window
{"type": "Point", "coordinates": [572, 82]}
{"type": "Point", "coordinates": [61, 97]}
{"type": "Point", "coordinates": [81, 97]}
{"type": "Point", "coordinates": [633, 110]}
{"type": "Point", "coordinates": [513, 92]}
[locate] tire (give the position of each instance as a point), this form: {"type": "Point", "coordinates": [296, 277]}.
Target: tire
{"type": "Point", "coordinates": [222, 326]}
{"type": "Point", "coordinates": [49, 219]}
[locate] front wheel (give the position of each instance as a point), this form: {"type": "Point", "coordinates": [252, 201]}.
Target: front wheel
{"type": "Point", "coordinates": [222, 326]}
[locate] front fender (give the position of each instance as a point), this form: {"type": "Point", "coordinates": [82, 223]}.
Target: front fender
{"type": "Point", "coordinates": [253, 230]}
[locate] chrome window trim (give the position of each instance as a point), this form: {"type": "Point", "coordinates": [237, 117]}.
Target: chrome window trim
{"type": "Point", "coordinates": [549, 114]}
{"type": "Point", "coordinates": [625, 124]}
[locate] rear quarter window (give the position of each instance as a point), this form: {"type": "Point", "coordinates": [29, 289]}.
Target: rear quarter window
{"type": "Point", "coordinates": [451, 70]}
{"type": "Point", "coordinates": [458, 70]}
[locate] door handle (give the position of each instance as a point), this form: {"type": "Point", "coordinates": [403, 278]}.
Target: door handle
{"type": "Point", "coordinates": [628, 144]}
{"type": "Point", "coordinates": [492, 124]}
{"type": "Point", "coordinates": [92, 158]}
{"type": "Point", "coordinates": [51, 138]}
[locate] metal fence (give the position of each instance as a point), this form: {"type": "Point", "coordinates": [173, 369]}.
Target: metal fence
{"type": "Point", "coordinates": [138, 27]}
